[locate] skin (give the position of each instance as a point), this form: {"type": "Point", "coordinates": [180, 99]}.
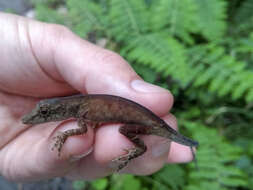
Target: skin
{"type": "Point", "coordinates": [40, 60]}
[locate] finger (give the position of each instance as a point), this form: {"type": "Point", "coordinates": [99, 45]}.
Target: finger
{"type": "Point", "coordinates": [179, 153]}
{"type": "Point", "coordinates": [34, 158]}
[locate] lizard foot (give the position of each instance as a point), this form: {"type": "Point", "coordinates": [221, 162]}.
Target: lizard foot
{"type": "Point", "coordinates": [123, 160]}
{"type": "Point", "coordinates": [58, 142]}
{"type": "Point", "coordinates": [60, 139]}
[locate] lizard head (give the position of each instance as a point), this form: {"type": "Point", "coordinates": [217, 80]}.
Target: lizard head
{"type": "Point", "coordinates": [45, 112]}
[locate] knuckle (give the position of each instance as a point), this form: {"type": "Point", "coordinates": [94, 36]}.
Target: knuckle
{"type": "Point", "coordinates": [57, 30]}
{"type": "Point", "coordinates": [110, 57]}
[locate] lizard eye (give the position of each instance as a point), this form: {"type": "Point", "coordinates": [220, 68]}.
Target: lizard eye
{"type": "Point", "coordinates": [44, 110]}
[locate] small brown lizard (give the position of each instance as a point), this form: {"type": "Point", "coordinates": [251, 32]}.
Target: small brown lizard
{"type": "Point", "coordinates": [97, 109]}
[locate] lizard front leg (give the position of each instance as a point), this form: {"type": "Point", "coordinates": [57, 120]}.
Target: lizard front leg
{"type": "Point", "coordinates": [62, 136]}
{"type": "Point", "coordinates": [131, 131]}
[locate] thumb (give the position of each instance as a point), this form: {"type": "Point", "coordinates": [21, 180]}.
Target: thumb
{"type": "Point", "coordinates": [91, 69]}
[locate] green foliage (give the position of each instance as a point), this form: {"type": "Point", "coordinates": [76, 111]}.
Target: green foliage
{"type": "Point", "coordinates": [243, 17]}
{"type": "Point", "coordinates": [179, 16]}
{"type": "Point", "coordinates": [159, 56]}
{"type": "Point", "coordinates": [171, 176]}
{"type": "Point", "coordinates": [202, 50]}
{"type": "Point", "coordinates": [225, 75]}
{"type": "Point", "coordinates": [114, 182]}
{"type": "Point", "coordinates": [125, 182]}
{"type": "Point", "coordinates": [86, 16]}
{"type": "Point", "coordinates": [216, 161]}
{"type": "Point", "coordinates": [209, 65]}
{"type": "Point", "coordinates": [128, 19]}
{"type": "Point", "coordinates": [211, 18]}
{"type": "Point", "coordinates": [246, 162]}
{"type": "Point", "coordinates": [99, 184]}
{"type": "Point", "coordinates": [44, 13]}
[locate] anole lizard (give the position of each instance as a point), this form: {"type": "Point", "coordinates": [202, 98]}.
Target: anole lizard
{"type": "Point", "coordinates": [96, 109]}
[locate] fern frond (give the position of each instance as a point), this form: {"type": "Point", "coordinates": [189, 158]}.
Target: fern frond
{"type": "Point", "coordinates": [246, 44]}
{"type": "Point", "coordinates": [215, 160]}
{"type": "Point", "coordinates": [222, 73]}
{"type": "Point", "coordinates": [128, 18]}
{"type": "Point", "coordinates": [207, 66]}
{"type": "Point", "coordinates": [170, 176]}
{"type": "Point", "coordinates": [161, 53]}
{"type": "Point", "coordinates": [87, 16]}
{"type": "Point", "coordinates": [244, 17]}
{"type": "Point", "coordinates": [178, 17]}
{"type": "Point", "coordinates": [211, 18]}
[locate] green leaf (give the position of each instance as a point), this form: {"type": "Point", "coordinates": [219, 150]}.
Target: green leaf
{"type": "Point", "coordinates": [125, 182]}
{"type": "Point", "coordinates": [243, 17]}
{"type": "Point", "coordinates": [86, 16]}
{"type": "Point", "coordinates": [130, 182]}
{"type": "Point", "coordinates": [100, 184]}
{"type": "Point", "coordinates": [164, 54]}
{"type": "Point", "coordinates": [170, 176]}
{"type": "Point", "coordinates": [215, 160]}
{"type": "Point", "coordinates": [222, 73]}
{"type": "Point", "coordinates": [211, 18]}
{"type": "Point", "coordinates": [233, 182]}
{"type": "Point", "coordinates": [128, 19]}
{"type": "Point", "coordinates": [178, 17]}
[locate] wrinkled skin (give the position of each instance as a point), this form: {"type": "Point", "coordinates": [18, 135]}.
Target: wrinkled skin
{"type": "Point", "coordinates": [40, 60]}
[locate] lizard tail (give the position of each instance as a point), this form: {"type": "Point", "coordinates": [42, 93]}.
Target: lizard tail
{"type": "Point", "coordinates": [170, 133]}
{"type": "Point", "coordinates": [181, 139]}
{"type": "Point", "coordinates": [177, 137]}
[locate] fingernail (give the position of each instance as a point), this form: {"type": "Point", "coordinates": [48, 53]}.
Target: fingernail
{"type": "Point", "coordinates": [79, 157]}
{"type": "Point", "coordinates": [159, 149]}
{"type": "Point", "coordinates": [142, 86]}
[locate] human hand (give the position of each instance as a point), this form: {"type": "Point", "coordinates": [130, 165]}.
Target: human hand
{"type": "Point", "coordinates": [40, 60]}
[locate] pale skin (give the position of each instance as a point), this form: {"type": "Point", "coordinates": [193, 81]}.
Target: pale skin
{"type": "Point", "coordinates": [40, 60]}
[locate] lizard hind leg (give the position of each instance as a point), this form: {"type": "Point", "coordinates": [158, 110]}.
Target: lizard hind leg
{"type": "Point", "coordinates": [131, 131]}
{"type": "Point", "coordinates": [61, 138]}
